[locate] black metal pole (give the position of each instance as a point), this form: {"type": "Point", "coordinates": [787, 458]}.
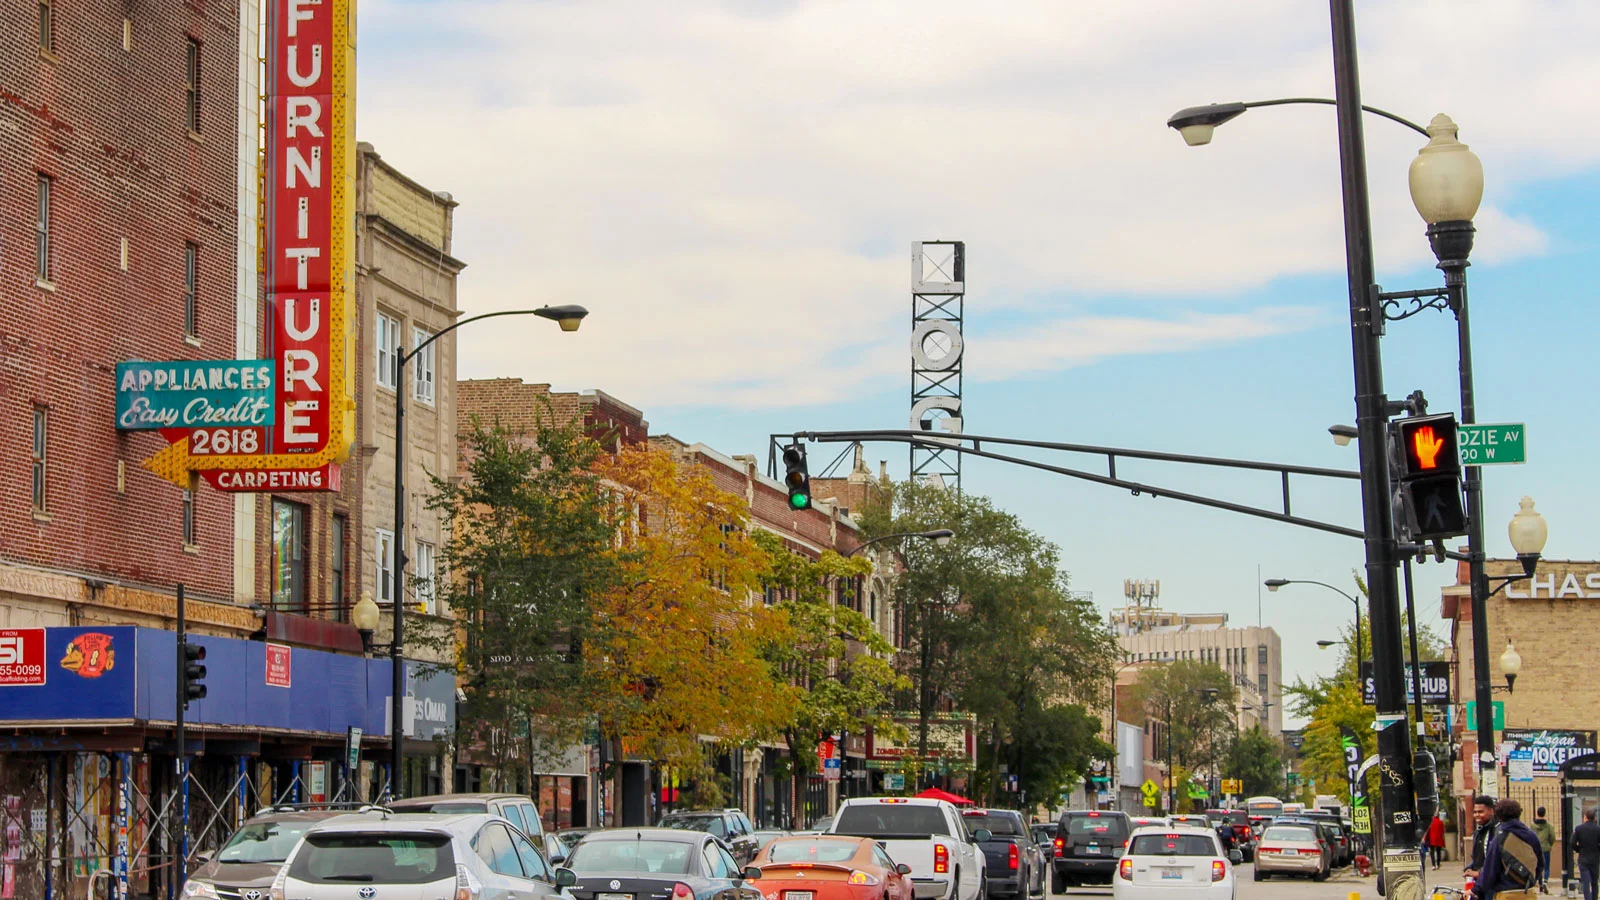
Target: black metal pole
{"type": "Point", "coordinates": [1172, 801]}
{"type": "Point", "coordinates": [1416, 658]}
{"type": "Point", "coordinates": [1394, 740]}
{"type": "Point", "coordinates": [397, 707]}
{"type": "Point", "coordinates": [180, 846]}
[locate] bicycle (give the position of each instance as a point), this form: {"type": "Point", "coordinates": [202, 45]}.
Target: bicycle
{"type": "Point", "coordinates": [1444, 892]}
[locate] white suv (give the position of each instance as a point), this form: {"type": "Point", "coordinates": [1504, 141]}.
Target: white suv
{"type": "Point", "coordinates": [383, 856]}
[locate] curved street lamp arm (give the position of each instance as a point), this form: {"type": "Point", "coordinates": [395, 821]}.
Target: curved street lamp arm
{"type": "Point", "coordinates": [1322, 100]}
{"type": "Point", "coordinates": [407, 357]}
{"type": "Point", "coordinates": [865, 544]}
{"type": "Point", "coordinates": [1330, 587]}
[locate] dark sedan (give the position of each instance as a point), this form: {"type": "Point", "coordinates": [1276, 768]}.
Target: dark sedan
{"type": "Point", "coordinates": [653, 864]}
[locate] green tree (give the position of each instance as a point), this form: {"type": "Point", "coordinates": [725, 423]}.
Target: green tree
{"type": "Point", "coordinates": [1196, 701]}
{"type": "Point", "coordinates": [1257, 759]}
{"type": "Point", "coordinates": [831, 655]}
{"type": "Point", "coordinates": [529, 545]}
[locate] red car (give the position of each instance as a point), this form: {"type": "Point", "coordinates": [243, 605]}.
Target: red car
{"type": "Point", "coordinates": [830, 867]}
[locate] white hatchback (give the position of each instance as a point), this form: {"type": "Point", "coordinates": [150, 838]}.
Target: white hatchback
{"type": "Point", "coordinates": [1176, 862]}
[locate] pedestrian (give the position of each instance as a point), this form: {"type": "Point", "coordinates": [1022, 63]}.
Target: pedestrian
{"type": "Point", "coordinates": [1511, 861]}
{"type": "Point", "coordinates": [1436, 841]}
{"type": "Point", "coordinates": [1586, 843]}
{"type": "Point", "coordinates": [1547, 841]}
{"type": "Point", "coordinates": [1483, 819]}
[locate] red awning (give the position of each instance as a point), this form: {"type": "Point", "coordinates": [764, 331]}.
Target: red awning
{"type": "Point", "coordinates": [937, 794]}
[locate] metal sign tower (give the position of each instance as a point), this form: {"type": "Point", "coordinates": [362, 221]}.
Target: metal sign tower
{"type": "Point", "coordinates": [938, 298]}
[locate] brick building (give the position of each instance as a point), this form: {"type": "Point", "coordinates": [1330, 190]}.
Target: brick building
{"type": "Point", "coordinates": [1553, 710]}
{"type": "Point", "coordinates": [119, 240]}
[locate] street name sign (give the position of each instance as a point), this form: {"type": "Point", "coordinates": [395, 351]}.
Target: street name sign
{"type": "Point", "coordinates": [1488, 445]}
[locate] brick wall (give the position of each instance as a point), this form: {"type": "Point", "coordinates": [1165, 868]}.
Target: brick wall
{"type": "Point", "coordinates": [109, 126]}
{"type": "Point", "coordinates": [520, 407]}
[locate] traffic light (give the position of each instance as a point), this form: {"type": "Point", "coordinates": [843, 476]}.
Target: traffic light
{"type": "Point", "coordinates": [1428, 473]}
{"type": "Point", "coordinates": [194, 672]}
{"type": "Point", "coordinates": [796, 478]}
{"type": "Point", "coordinates": [1425, 778]}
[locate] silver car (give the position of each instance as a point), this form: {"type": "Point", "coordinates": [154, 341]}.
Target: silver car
{"type": "Point", "coordinates": [415, 856]}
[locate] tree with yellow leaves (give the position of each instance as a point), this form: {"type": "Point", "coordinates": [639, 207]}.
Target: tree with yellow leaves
{"type": "Point", "coordinates": [675, 649]}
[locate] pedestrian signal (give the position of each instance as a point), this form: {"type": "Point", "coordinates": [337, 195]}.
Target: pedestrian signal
{"type": "Point", "coordinates": [1428, 478]}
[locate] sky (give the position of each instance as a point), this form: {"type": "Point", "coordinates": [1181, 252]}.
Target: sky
{"type": "Point", "coordinates": [732, 188]}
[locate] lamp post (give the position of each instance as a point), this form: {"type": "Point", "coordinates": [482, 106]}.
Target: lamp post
{"type": "Point", "coordinates": [364, 616]}
{"type": "Point", "coordinates": [1274, 583]}
{"type": "Point", "coordinates": [940, 536]}
{"type": "Point", "coordinates": [569, 317]}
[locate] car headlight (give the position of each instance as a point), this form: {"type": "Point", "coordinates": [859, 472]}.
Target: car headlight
{"type": "Point", "coordinates": [193, 888]}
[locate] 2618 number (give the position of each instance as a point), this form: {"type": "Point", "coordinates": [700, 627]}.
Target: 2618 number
{"type": "Point", "coordinates": [225, 441]}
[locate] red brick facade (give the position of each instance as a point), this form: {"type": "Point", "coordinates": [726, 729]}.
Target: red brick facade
{"type": "Point", "coordinates": [109, 127]}
{"type": "Point", "coordinates": [510, 403]}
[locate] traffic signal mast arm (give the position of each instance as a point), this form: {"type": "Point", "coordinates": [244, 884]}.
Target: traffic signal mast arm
{"type": "Point", "coordinates": [972, 445]}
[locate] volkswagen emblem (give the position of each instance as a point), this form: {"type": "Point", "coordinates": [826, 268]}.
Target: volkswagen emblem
{"type": "Point", "coordinates": [251, 894]}
{"type": "Point", "coordinates": [367, 893]}
{"type": "Point", "coordinates": [616, 885]}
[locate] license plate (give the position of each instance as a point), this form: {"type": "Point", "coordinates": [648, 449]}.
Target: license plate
{"type": "Point", "coordinates": [1290, 851]}
{"type": "Point", "coordinates": [613, 897]}
{"type": "Point", "coordinates": [1095, 849]}
{"type": "Point", "coordinates": [799, 895]}
{"type": "Point", "coordinates": [1171, 874]}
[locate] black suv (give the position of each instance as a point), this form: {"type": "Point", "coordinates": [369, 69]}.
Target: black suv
{"type": "Point", "coordinates": [728, 826]}
{"type": "Point", "coordinates": [1089, 844]}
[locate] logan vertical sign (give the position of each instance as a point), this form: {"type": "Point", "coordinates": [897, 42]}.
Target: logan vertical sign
{"type": "Point", "coordinates": [308, 190]}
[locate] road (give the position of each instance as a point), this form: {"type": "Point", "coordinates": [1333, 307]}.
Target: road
{"type": "Point", "coordinates": [1339, 887]}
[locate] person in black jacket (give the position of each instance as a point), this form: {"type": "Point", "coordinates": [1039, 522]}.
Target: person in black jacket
{"type": "Point", "coordinates": [1483, 817]}
{"type": "Point", "coordinates": [1586, 843]}
{"type": "Point", "coordinates": [1514, 857]}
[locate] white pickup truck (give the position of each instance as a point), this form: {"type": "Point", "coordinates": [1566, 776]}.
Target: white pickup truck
{"type": "Point", "coordinates": [927, 835]}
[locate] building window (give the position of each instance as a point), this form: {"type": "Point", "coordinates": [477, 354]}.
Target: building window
{"type": "Point", "coordinates": [42, 230]}
{"type": "Point", "coordinates": [422, 367]}
{"type": "Point", "coordinates": [47, 27]}
{"type": "Point", "coordinates": [338, 591]}
{"type": "Point", "coordinates": [423, 579]}
{"type": "Point", "coordinates": [191, 88]}
{"type": "Point", "coordinates": [1262, 684]}
{"type": "Point", "coordinates": [191, 289]}
{"type": "Point", "coordinates": [1261, 654]}
{"type": "Point", "coordinates": [385, 560]}
{"type": "Point", "coordinates": [41, 427]}
{"type": "Point", "coordinates": [388, 351]}
{"type": "Point", "coordinates": [288, 555]}
{"type": "Point", "coordinates": [188, 510]}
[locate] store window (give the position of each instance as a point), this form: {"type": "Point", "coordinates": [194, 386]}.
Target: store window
{"type": "Point", "coordinates": [288, 556]}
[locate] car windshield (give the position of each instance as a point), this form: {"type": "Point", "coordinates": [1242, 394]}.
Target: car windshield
{"type": "Point", "coordinates": [263, 842]}
{"type": "Point", "coordinates": [823, 851]}
{"type": "Point", "coordinates": [444, 807]}
{"type": "Point", "coordinates": [1289, 833]}
{"type": "Point", "coordinates": [1172, 845]}
{"type": "Point", "coordinates": [620, 856]}
{"type": "Point", "coordinates": [375, 858]}
{"type": "Point", "coordinates": [1096, 825]}
{"type": "Point", "coordinates": [997, 825]}
{"type": "Point", "coordinates": [889, 819]}
{"type": "Point", "coordinates": [710, 824]}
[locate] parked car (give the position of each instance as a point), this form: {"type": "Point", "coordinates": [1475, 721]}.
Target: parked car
{"type": "Point", "coordinates": [1089, 843]}
{"type": "Point", "coordinates": [653, 864]}
{"type": "Point", "coordinates": [1290, 849]}
{"type": "Point", "coordinates": [416, 855]}
{"type": "Point", "coordinates": [253, 854]}
{"type": "Point", "coordinates": [1181, 861]}
{"type": "Point", "coordinates": [514, 808]}
{"type": "Point", "coordinates": [731, 829]}
{"type": "Point", "coordinates": [831, 867]}
{"type": "Point", "coordinates": [1012, 859]}
{"type": "Point", "coordinates": [1340, 847]}
{"type": "Point", "coordinates": [1044, 834]}
{"type": "Point", "coordinates": [925, 834]}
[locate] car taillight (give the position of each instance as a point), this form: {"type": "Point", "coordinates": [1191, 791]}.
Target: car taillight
{"type": "Point", "coordinates": [681, 890]}
{"type": "Point", "coordinates": [1271, 850]}
{"type": "Point", "coordinates": [941, 859]}
{"type": "Point", "coordinates": [1061, 844]}
{"type": "Point", "coordinates": [860, 877]}
{"type": "Point", "coordinates": [278, 885]}
{"type": "Point", "coordinates": [1013, 860]}
{"type": "Point", "coordinates": [467, 887]}
{"type": "Point", "coordinates": [1219, 870]}
{"type": "Point", "coordinates": [1125, 869]}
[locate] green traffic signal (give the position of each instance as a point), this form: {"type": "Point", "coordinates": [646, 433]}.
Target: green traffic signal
{"type": "Point", "coordinates": [799, 501]}
{"type": "Point", "coordinates": [796, 478]}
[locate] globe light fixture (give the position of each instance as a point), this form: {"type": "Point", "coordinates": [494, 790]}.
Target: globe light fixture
{"type": "Point", "coordinates": [1510, 665]}
{"type": "Point", "coordinates": [364, 616]}
{"type": "Point", "coordinates": [1528, 532]}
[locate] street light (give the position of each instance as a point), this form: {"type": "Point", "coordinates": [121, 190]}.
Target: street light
{"type": "Point", "coordinates": [1342, 434]}
{"type": "Point", "coordinates": [1198, 123]}
{"type": "Point", "coordinates": [1274, 583]}
{"type": "Point", "coordinates": [569, 317]}
{"type": "Point", "coordinates": [940, 536]}
{"type": "Point", "coordinates": [1326, 644]}
{"type": "Point", "coordinates": [364, 616]}
{"type": "Point", "coordinates": [1528, 532]}
{"type": "Point", "coordinates": [1510, 665]}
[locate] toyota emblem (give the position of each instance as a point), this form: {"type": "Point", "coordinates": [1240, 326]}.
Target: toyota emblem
{"type": "Point", "coordinates": [367, 893]}
{"type": "Point", "coordinates": [615, 885]}
{"type": "Point", "coordinates": [251, 894]}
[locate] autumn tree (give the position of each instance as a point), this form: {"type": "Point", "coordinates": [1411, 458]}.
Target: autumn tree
{"type": "Point", "coordinates": [1196, 701]}
{"type": "Point", "coordinates": [530, 543]}
{"type": "Point", "coordinates": [829, 655]}
{"type": "Point", "coordinates": [676, 648]}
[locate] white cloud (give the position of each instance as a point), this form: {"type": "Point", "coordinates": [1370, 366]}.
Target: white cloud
{"type": "Point", "coordinates": [704, 175]}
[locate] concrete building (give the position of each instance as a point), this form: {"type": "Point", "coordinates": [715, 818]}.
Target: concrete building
{"type": "Point", "coordinates": [1553, 713]}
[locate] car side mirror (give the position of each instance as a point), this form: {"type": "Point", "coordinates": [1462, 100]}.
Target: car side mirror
{"type": "Point", "coordinates": [556, 860]}
{"type": "Point", "coordinates": [752, 873]}
{"type": "Point", "coordinates": [983, 834]}
{"type": "Point", "coordinates": [1235, 857]}
{"type": "Point", "coordinates": [566, 877]}
{"type": "Point", "coordinates": [203, 857]}
{"type": "Point", "coordinates": [903, 869]}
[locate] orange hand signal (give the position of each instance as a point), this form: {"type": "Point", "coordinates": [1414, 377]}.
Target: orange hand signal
{"type": "Point", "coordinates": [1427, 447]}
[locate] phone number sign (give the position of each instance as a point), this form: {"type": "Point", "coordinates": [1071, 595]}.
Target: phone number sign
{"type": "Point", "coordinates": [22, 662]}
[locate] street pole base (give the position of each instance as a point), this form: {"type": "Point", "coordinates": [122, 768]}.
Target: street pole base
{"type": "Point", "coordinates": [1402, 875]}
